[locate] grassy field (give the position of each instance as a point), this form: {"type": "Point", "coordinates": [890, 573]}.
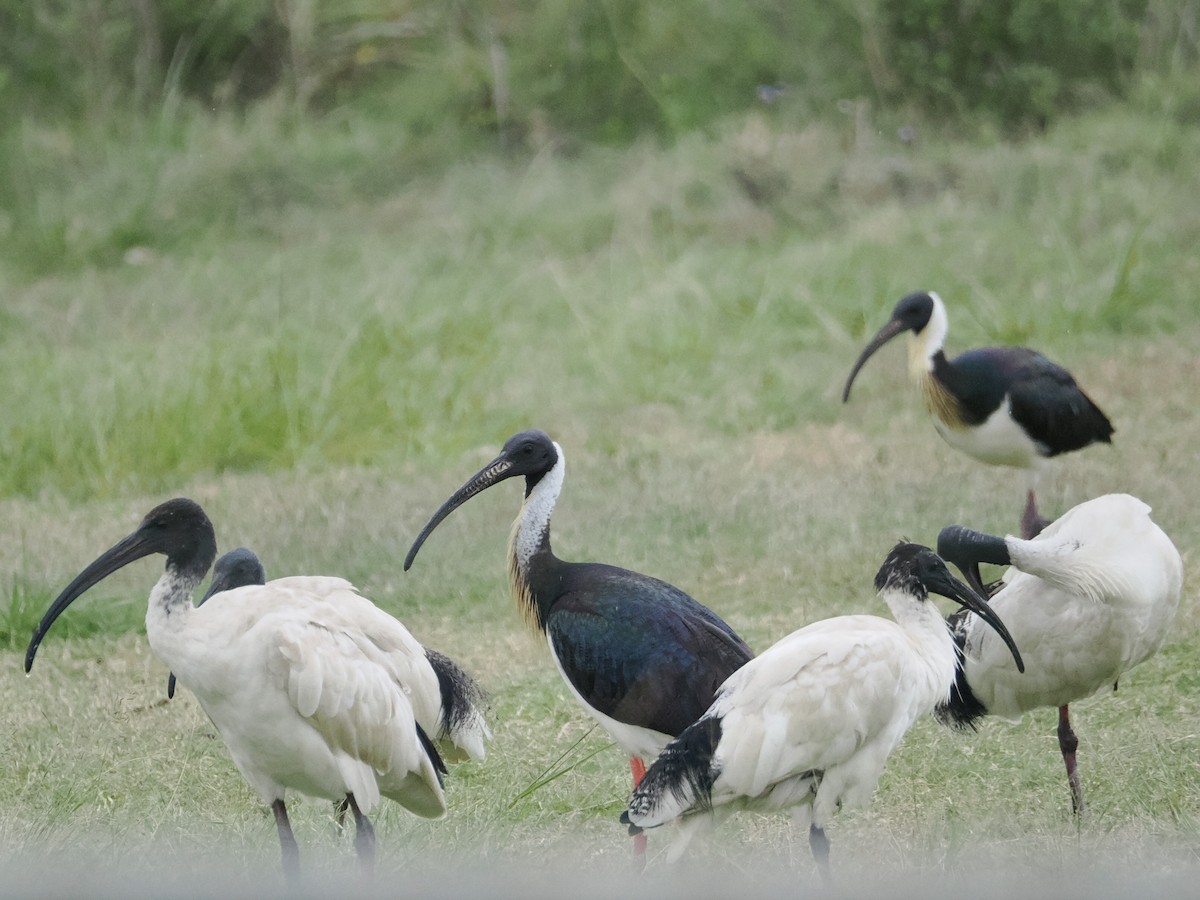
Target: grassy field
{"type": "Point", "coordinates": [318, 340]}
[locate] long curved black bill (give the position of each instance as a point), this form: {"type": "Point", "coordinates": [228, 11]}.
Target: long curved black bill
{"type": "Point", "coordinates": [124, 552]}
{"type": "Point", "coordinates": [495, 471]}
{"type": "Point", "coordinates": [886, 333]}
{"type": "Point", "coordinates": [967, 597]}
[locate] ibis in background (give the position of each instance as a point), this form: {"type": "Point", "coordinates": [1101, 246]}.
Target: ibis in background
{"type": "Point", "coordinates": [312, 687]}
{"type": "Point", "coordinates": [808, 725]}
{"type": "Point", "coordinates": [1005, 406]}
{"type": "Point", "coordinates": [643, 657]}
{"type": "Point", "coordinates": [235, 569]}
{"type": "Point", "coordinates": [1088, 599]}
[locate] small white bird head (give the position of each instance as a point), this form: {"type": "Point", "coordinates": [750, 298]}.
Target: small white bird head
{"type": "Point", "coordinates": [917, 571]}
{"type": "Point", "coordinates": [530, 453]}
{"type": "Point", "coordinates": [921, 313]}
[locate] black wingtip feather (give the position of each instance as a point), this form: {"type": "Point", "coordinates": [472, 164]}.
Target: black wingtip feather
{"type": "Point", "coordinates": [962, 709]}
{"type": "Point", "coordinates": [685, 768]}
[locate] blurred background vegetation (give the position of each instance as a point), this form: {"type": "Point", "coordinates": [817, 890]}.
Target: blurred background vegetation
{"type": "Point", "coordinates": [436, 181]}
{"type": "Point", "coordinates": [585, 69]}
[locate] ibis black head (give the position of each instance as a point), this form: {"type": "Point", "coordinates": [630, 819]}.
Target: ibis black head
{"type": "Point", "coordinates": [967, 548]}
{"type": "Point", "coordinates": [178, 528]}
{"type": "Point", "coordinates": [235, 569]}
{"type": "Point", "coordinates": [530, 453]}
{"type": "Point", "coordinates": [912, 313]}
{"type": "Point", "coordinates": [918, 571]}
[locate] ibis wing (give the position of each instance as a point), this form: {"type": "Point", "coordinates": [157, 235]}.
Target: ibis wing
{"type": "Point", "coordinates": [352, 693]}
{"type": "Point", "coordinates": [650, 656]}
{"type": "Point", "coordinates": [837, 689]}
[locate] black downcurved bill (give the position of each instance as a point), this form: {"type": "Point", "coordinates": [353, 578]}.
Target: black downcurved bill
{"type": "Point", "coordinates": [494, 472]}
{"type": "Point", "coordinates": [127, 550]}
{"type": "Point", "coordinates": [953, 589]}
{"type": "Point", "coordinates": [886, 333]}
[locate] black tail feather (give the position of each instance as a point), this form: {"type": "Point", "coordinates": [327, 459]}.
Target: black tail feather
{"type": "Point", "coordinates": [461, 694]}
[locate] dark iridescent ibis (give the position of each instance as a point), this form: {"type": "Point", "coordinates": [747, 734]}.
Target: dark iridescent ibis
{"type": "Point", "coordinates": [808, 725]}
{"type": "Point", "coordinates": [1089, 598]}
{"type": "Point", "coordinates": [235, 569]}
{"type": "Point", "coordinates": [1005, 406]}
{"type": "Point", "coordinates": [642, 656]}
{"type": "Point", "coordinates": [312, 687]}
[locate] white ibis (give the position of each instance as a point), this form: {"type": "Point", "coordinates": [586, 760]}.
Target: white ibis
{"type": "Point", "coordinates": [643, 657]}
{"type": "Point", "coordinates": [808, 725]}
{"type": "Point", "coordinates": [312, 687]}
{"type": "Point", "coordinates": [235, 569]}
{"type": "Point", "coordinates": [1005, 406]}
{"type": "Point", "coordinates": [461, 729]}
{"type": "Point", "coordinates": [1088, 599]}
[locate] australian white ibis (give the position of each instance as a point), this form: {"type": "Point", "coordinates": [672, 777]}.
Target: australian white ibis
{"type": "Point", "coordinates": [312, 687]}
{"type": "Point", "coordinates": [235, 569]}
{"type": "Point", "coordinates": [808, 725]}
{"type": "Point", "coordinates": [1005, 406]}
{"type": "Point", "coordinates": [643, 657]}
{"type": "Point", "coordinates": [461, 729]}
{"type": "Point", "coordinates": [1093, 595]}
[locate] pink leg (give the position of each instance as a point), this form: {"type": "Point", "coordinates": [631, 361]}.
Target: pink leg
{"type": "Point", "coordinates": [638, 768]}
{"type": "Point", "coordinates": [1068, 744]}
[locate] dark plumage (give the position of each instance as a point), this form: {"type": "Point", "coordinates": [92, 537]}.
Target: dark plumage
{"type": "Point", "coordinates": [1007, 406]}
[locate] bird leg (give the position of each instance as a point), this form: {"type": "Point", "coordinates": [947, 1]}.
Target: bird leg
{"type": "Point", "coordinates": [1031, 523]}
{"type": "Point", "coordinates": [1069, 743]}
{"type": "Point", "coordinates": [364, 838]}
{"type": "Point", "coordinates": [818, 841]}
{"type": "Point", "coordinates": [287, 844]}
{"type": "Point", "coordinates": [340, 808]}
{"type": "Point", "coordinates": [638, 768]}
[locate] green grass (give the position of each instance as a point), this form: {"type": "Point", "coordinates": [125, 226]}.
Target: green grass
{"type": "Point", "coordinates": [319, 348]}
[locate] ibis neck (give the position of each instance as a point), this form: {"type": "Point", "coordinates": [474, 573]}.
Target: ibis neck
{"type": "Point", "coordinates": [925, 345]}
{"type": "Point", "coordinates": [923, 623]}
{"type": "Point", "coordinates": [532, 566]}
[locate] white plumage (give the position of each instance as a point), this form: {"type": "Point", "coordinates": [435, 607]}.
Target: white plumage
{"type": "Point", "coordinates": [809, 724]}
{"type": "Point", "coordinates": [1089, 598]}
{"type": "Point", "coordinates": [312, 687]}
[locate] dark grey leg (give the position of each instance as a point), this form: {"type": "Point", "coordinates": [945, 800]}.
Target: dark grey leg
{"type": "Point", "coordinates": [287, 844]}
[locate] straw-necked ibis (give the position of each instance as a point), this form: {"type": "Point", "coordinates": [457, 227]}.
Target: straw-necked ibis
{"type": "Point", "coordinates": [643, 657]}
{"type": "Point", "coordinates": [1088, 599]}
{"type": "Point", "coordinates": [808, 725]}
{"type": "Point", "coordinates": [1005, 406]}
{"type": "Point", "coordinates": [312, 687]}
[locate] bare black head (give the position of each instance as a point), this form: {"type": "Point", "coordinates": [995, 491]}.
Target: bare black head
{"type": "Point", "coordinates": [235, 569]}
{"type": "Point", "coordinates": [179, 529]}
{"type": "Point", "coordinates": [529, 453]}
{"type": "Point", "coordinates": [912, 313]}
{"type": "Point", "coordinates": [967, 548]}
{"type": "Point", "coordinates": [918, 571]}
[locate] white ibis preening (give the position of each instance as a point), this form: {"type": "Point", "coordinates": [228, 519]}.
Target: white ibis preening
{"type": "Point", "coordinates": [1087, 600]}
{"type": "Point", "coordinates": [1005, 406]}
{"type": "Point", "coordinates": [643, 657]}
{"type": "Point", "coordinates": [809, 724]}
{"type": "Point", "coordinates": [313, 688]}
